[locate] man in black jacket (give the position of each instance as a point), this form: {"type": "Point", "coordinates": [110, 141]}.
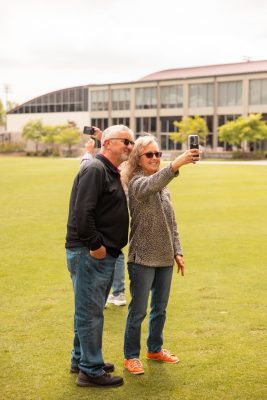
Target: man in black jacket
{"type": "Point", "coordinates": [97, 230]}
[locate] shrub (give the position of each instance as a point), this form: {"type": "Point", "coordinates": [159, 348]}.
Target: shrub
{"type": "Point", "coordinates": [11, 147]}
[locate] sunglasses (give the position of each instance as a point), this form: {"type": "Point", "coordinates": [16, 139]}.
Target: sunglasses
{"type": "Point", "coordinates": [126, 142]}
{"type": "Point", "coordinates": [151, 154]}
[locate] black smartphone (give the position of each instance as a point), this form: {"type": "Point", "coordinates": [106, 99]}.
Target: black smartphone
{"type": "Point", "coordinates": [89, 130]}
{"type": "Point", "coordinates": [193, 142]}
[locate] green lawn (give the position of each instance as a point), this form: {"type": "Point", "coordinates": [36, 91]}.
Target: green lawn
{"type": "Point", "coordinates": [216, 319]}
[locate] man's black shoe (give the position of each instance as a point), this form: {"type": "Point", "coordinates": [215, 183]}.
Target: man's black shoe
{"type": "Point", "coordinates": [107, 367]}
{"type": "Point", "coordinates": [105, 380]}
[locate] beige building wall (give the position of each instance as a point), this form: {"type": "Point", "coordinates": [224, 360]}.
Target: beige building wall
{"type": "Point", "coordinates": [15, 122]}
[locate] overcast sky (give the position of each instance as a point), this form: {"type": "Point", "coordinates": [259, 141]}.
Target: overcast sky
{"type": "Point", "coordinates": [53, 44]}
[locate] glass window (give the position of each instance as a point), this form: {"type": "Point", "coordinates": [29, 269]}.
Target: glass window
{"type": "Point", "coordinates": [146, 124]}
{"type": "Point", "coordinates": [79, 94]}
{"type": "Point", "coordinates": [230, 93]}
{"type": "Point", "coordinates": [99, 100]}
{"type": "Point", "coordinates": [121, 121]}
{"type": "Point", "coordinates": [59, 97]}
{"type": "Point", "coordinates": [171, 96]}
{"type": "Point", "coordinates": [146, 98]}
{"type": "Point", "coordinates": [72, 95]}
{"type": "Point", "coordinates": [258, 91]}
{"type": "Point", "coordinates": [201, 95]}
{"type": "Point", "coordinates": [65, 96]}
{"type": "Point", "coordinates": [120, 99]}
{"type": "Point", "coordinates": [52, 98]}
{"type": "Point", "coordinates": [167, 144]}
{"type": "Point", "coordinates": [45, 99]}
{"type": "Point", "coordinates": [167, 124]}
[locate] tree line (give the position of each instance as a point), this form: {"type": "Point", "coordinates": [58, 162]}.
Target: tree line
{"type": "Point", "coordinates": [251, 129]}
{"type": "Point", "coordinates": [52, 135]}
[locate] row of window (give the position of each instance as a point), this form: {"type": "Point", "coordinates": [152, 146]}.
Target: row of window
{"type": "Point", "coordinates": [66, 100]}
{"type": "Point", "coordinates": [148, 124]}
{"type": "Point", "coordinates": [200, 95]}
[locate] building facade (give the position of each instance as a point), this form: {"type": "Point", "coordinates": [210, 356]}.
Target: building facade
{"type": "Point", "coordinates": [218, 93]}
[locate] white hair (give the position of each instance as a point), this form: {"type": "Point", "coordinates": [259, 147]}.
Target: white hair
{"type": "Point", "coordinates": [114, 129]}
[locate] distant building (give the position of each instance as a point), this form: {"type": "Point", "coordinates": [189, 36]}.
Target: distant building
{"type": "Point", "coordinates": [216, 92]}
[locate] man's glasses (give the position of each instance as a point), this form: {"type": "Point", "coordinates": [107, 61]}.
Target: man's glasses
{"type": "Point", "coordinates": [151, 154]}
{"type": "Point", "coordinates": [126, 142]}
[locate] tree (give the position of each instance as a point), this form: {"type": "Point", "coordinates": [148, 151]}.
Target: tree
{"type": "Point", "coordinates": [190, 126]}
{"type": "Point", "coordinates": [251, 128]}
{"type": "Point", "coordinates": [34, 131]}
{"type": "Point", "coordinates": [69, 137]}
{"type": "Point", "coordinates": [50, 134]}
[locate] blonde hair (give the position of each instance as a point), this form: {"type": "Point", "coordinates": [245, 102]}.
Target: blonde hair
{"type": "Point", "coordinates": [131, 167]}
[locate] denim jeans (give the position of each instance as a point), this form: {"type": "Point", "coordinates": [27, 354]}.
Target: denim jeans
{"type": "Point", "coordinates": [143, 280]}
{"type": "Point", "coordinates": [118, 284]}
{"type": "Point", "coordinates": [91, 279]}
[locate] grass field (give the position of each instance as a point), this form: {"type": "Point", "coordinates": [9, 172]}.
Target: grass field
{"type": "Point", "coordinates": [216, 319]}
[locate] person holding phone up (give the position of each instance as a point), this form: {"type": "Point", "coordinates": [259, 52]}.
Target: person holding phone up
{"type": "Point", "coordinates": [154, 245]}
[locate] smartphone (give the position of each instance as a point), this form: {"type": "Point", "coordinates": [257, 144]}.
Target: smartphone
{"type": "Point", "coordinates": [193, 142]}
{"type": "Point", "coordinates": [89, 130]}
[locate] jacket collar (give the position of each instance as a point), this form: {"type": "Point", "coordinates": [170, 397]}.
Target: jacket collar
{"type": "Point", "coordinates": [108, 163]}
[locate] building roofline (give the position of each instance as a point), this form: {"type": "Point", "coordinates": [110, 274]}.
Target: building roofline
{"type": "Point", "coordinates": [202, 71]}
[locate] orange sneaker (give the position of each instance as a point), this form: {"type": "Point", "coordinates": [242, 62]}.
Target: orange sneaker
{"type": "Point", "coordinates": [134, 366]}
{"type": "Point", "coordinates": [164, 356]}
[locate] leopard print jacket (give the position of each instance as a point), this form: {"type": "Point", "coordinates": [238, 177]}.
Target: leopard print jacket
{"type": "Point", "coordinates": [154, 239]}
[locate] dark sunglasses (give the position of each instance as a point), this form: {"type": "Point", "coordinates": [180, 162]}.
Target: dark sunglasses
{"type": "Point", "coordinates": [126, 142]}
{"type": "Point", "coordinates": [151, 154]}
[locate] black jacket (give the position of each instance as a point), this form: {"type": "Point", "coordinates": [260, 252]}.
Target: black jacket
{"type": "Point", "coordinates": [98, 211]}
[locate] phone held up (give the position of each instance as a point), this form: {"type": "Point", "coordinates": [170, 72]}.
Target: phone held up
{"type": "Point", "coordinates": [89, 130]}
{"type": "Point", "coordinates": [193, 142]}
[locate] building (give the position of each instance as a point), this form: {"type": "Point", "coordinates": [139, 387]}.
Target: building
{"type": "Point", "coordinates": [216, 92]}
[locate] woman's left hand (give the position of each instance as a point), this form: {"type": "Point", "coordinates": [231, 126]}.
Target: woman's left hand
{"type": "Point", "coordinates": [180, 264]}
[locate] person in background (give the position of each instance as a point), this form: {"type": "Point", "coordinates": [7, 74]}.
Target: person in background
{"type": "Point", "coordinates": [117, 297]}
{"type": "Point", "coordinates": [154, 246]}
{"type": "Point", "coordinates": [97, 230]}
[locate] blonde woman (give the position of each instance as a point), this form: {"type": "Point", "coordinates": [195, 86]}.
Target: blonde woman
{"type": "Point", "coordinates": [154, 245]}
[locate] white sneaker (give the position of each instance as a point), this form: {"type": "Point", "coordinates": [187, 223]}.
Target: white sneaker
{"type": "Point", "coordinates": [117, 300]}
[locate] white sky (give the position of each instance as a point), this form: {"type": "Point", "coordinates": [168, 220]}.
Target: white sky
{"type": "Point", "coordinates": [53, 44]}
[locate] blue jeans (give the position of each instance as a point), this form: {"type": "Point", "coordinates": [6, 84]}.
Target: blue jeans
{"type": "Point", "coordinates": [143, 280]}
{"type": "Point", "coordinates": [118, 284]}
{"type": "Point", "coordinates": [91, 279]}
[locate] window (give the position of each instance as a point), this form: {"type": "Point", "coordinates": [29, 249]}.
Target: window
{"type": "Point", "coordinates": [146, 98]}
{"type": "Point", "coordinates": [167, 144]}
{"type": "Point", "coordinates": [121, 121]}
{"type": "Point", "coordinates": [258, 91]}
{"type": "Point", "coordinates": [230, 93]}
{"type": "Point", "coordinates": [171, 96]}
{"type": "Point", "coordinates": [167, 124]}
{"type": "Point", "coordinates": [167, 127]}
{"type": "Point", "coordinates": [99, 100]}
{"type": "Point", "coordinates": [146, 124]}
{"type": "Point", "coordinates": [201, 95]}
{"type": "Point", "coordinates": [120, 99]}
{"type": "Point", "coordinates": [101, 123]}
{"type": "Point", "coordinates": [225, 118]}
